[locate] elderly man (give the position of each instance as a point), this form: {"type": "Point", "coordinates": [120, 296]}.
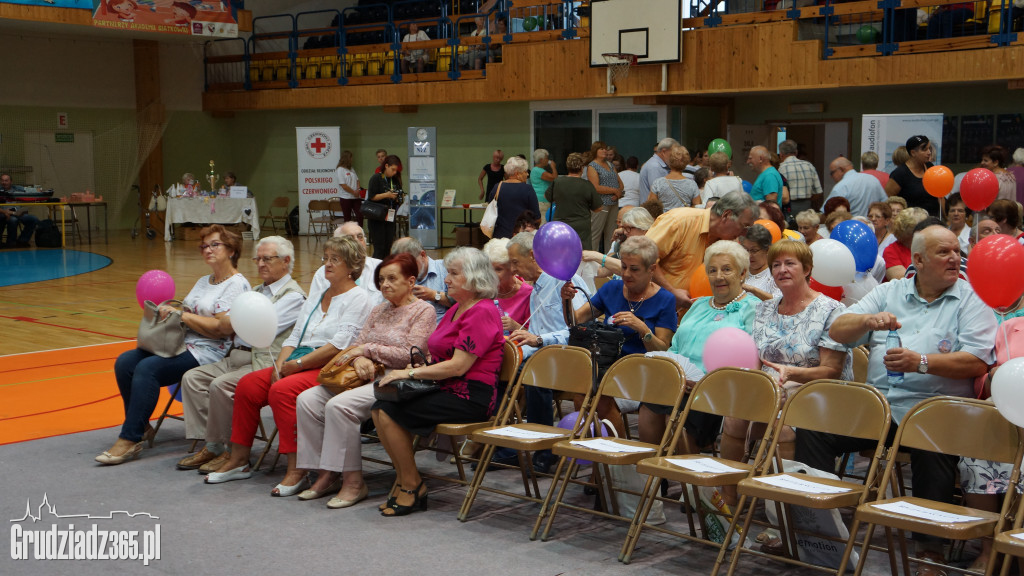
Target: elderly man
{"type": "Point", "coordinates": [275, 259]}
{"type": "Point", "coordinates": [11, 217]}
{"type": "Point", "coordinates": [683, 234]}
{"type": "Point", "coordinates": [547, 326]}
{"type": "Point", "coordinates": [768, 186]}
{"type": "Point", "coordinates": [804, 184]}
{"type": "Point", "coordinates": [366, 280]}
{"type": "Point", "coordinates": [657, 166]}
{"type": "Point", "coordinates": [860, 189]}
{"type": "Point", "coordinates": [430, 284]}
{"type": "Point", "coordinates": [947, 335]}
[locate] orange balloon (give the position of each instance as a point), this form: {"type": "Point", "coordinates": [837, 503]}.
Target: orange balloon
{"type": "Point", "coordinates": [938, 181]}
{"type": "Point", "coordinates": [699, 283]}
{"type": "Point", "coordinates": [771, 227]}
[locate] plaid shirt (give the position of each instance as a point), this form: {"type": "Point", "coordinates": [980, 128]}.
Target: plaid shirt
{"type": "Point", "coordinates": [802, 178]}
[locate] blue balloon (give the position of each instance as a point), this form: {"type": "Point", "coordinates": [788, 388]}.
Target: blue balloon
{"type": "Point", "coordinates": [859, 238]}
{"type": "Point", "coordinates": [558, 250]}
{"type": "Point", "coordinates": [747, 187]}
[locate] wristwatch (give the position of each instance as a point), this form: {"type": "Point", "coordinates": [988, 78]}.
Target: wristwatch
{"type": "Point", "coordinates": [923, 366]}
{"type": "Point", "coordinates": [437, 296]}
{"type": "Point", "coordinates": [412, 374]}
{"type": "Point", "coordinates": [298, 362]}
{"type": "Point", "coordinates": [540, 341]}
{"type": "Point", "coordinates": [648, 337]}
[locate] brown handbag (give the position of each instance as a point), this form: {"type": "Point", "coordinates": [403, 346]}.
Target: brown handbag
{"type": "Point", "coordinates": [339, 378]}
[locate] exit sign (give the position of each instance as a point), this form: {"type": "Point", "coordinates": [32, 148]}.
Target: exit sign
{"type": "Point", "coordinates": [64, 137]}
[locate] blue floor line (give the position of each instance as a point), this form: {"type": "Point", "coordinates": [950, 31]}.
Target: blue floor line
{"type": "Point", "coordinates": [27, 266]}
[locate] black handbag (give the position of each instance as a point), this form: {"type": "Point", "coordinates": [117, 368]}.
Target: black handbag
{"type": "Point", "coordinates": [602, 340]}
{"type": "Point", "coordinates": [406, 388]}
{"type": "Point", "coordinates": [374, 210]}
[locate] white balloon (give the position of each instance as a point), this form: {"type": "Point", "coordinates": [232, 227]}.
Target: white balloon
{"type": "Point", "coordinates": [1008, 390]}
{"type": "Point", "coordinates": [834, 264]}
{"type": "Point", "coordinates": [254, 319]}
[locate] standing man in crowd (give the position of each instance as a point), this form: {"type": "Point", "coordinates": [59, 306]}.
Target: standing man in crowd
{"type": "Point", "coordinates": [768, 186]}
{"type": "Point", "coordinates": [804, 185]}
{"type": "Point", "coordinates": [657, 165]}
{"type": "Point", "coordinates": [861, 190]}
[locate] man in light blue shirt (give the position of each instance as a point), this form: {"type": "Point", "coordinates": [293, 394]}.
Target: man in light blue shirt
{"type": "Point", "coordinates": [430, 282]}
{"type": "Point", "coordinates": [948, 336]}
{"type": "Point", "coordinates": [657, 166]}
{"type": "Point", "coordinates": [546, 325]}
{"type": "Point", "coordinates": [768, 186]}
{"type": "Point", "coordinates": [861, 190]}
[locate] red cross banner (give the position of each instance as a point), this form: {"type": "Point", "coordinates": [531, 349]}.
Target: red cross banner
{"type": "Point", "coordinates": [319, 150]}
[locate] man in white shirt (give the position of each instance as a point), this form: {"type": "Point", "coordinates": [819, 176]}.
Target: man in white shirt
{"type": "Point", "coordinates": [861, 190]}
{"type": "Point", "coordinates": [354, 231]}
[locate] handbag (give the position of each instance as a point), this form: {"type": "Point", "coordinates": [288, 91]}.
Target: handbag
{"type": "Point", "coordinates": [374, 210]}
{"type": "Point", "coordinates": [406, 388]}
{"type": "Point", "coordinates": [339, 378]}
{"type": "Point", "coordinates": [602, 340]}
{"type": "Point", "coordinates": [490, 217]}
{"type": "Point", "coordinates": [301, 351]}
{"type": "Point", "coordinates": [166, 337]}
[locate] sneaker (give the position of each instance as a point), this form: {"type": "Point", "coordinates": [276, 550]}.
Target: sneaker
{"type": "Point", "coordinates": [544, 461]}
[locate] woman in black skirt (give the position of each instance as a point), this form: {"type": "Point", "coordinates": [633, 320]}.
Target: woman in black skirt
{"type": "Point", "coordinates": [466, 349]}
{"type": "Point", "coordinates": [385, 188]}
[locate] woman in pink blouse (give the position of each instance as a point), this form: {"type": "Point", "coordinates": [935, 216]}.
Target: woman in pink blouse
{"type": "Point", "coordinates": [513, 298]}
{"type": "Point", "coordinates": [329, 424]}
{"type": "Point", "coordinates": [466, 351]}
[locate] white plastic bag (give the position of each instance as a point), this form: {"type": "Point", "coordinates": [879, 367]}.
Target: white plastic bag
{"type": "Point", "coordinates": [625, 477]}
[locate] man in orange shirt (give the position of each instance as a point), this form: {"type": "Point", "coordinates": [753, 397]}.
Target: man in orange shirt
{"type": "Point", "coordinates": [683, 234]}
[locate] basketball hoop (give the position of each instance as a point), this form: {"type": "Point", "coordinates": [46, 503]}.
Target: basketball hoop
{"type": "Point", "coordinates": [618, 67]}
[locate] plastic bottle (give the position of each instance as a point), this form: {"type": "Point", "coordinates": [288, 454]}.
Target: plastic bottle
{"type": "Point", "coordinates": [893, 341]}
{"type": "Point", "coordinates": [502, 313]}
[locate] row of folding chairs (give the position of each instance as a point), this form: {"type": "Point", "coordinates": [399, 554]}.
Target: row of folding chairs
{"type": "Point", "coordinates": [312, 67]}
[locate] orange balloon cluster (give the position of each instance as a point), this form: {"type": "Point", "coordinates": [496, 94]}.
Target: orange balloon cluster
{"type": "Point", "coordinates": [771, 227]}
{"type": "Point", "coordinates": [938, 181]}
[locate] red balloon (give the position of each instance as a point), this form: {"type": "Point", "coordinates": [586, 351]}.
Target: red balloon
{"type": "Point", "coordinates": [938, 181]}
{"type": "Point", "coordinates": [833, 292]}
{"type": "Point", "coordinates": [979, 188]}
{"type": "Point", "coordinates": [991, 266]}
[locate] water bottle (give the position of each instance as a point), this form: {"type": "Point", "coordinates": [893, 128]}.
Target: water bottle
{"type": "Point", "coordinates": [893, 341]}
{"type": "Point", "coordinates": [501, 313]}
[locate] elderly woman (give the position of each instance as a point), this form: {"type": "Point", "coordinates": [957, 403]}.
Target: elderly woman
{"type": "Point", "coordinates": [514, 196]}
{"type": "Point", "coordinates": [141, 374]}
{"type": "Point", "coordinates": [907, 180]}
{"type": "Point", "coordinates": [327, 324]}
{"type": "Point", "coordinates": [513, 298]}
{"type": "Point", "coordinates": [759, 281]}
{"type": "Point", "coordinates": [676, 190]}
{"type": "Point", "coordinates": [385, 188]}
{"type": "Point", "coordinates": [635, 221]}
{"type": "Point", "coordinates": [729, 306]}
{"type": "Point", "coordinates": [880, 214]}
{"type": "Point", "coordinates": [792, 338]}
{"type": "Point", "coordinates": [575, 198]}
{"type": "Point", "coordinates": [329, 424]}
{"type": "Point", "coordinates": [466, 349]}
{"type": "Point", "coordinates": [897, 255]}
{"type": "Point", "coordinates": [993, 157]}
{"type": "Point", "coordinates": [542, 175]}
{"type": "Point", "coordinates": [807, 223]}
{"type": "Point", "coordinates": [771, 211]}
{"type": "Point", "coordinates": [1007, 215]}
{"type": "Point", "coordinates": [606, 180]}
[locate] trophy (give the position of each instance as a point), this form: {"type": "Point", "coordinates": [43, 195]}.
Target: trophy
{"type": "Point", "coordinates": [213, 178]}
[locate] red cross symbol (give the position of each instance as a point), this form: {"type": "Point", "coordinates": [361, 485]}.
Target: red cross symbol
{"type": "Point", "coordinates": [318, 145]}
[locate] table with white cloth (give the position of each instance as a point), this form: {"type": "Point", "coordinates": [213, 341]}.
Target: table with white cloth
{"type": "Point", "coordinates": [211, 210]}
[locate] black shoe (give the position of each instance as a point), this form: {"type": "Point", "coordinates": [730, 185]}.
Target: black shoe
{"type": "Point", "coordinates": [544, 461]}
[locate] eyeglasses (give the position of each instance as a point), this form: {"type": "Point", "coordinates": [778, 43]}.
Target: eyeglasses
{"type": "Point", "coordinates": [214, 245]}
{"type": "Point", "coordinates": [334, 260]}
{"type": "Point", "coordinates": [267, 259]}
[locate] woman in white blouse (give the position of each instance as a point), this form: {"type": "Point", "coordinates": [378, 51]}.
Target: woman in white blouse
{"type": "Point", "coordinates": [328, 323]}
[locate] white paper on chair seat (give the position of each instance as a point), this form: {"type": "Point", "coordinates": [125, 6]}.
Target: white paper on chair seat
{"type": "Point", "coordinates": [908, 509]}
{"type": "Point", "coordinates": [605, 445]}
{"type": "Point", "coordinates": [703, 465]}
{"type": "Point", "coordinates": [513, 432]}
{"type": "Point", "coordinates": [1018, 536]}
{"type": "Point", "coordinates": [800, 485]}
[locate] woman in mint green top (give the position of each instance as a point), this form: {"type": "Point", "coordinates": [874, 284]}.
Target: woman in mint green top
{"type": "Point", "coordinates": [729, 306]}
{"type": "Point", "coordinates": [542, 175]}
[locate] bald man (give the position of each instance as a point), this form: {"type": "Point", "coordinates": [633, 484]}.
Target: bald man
{"type": "Point", "coordinates": [768, 186]}
{"type": "Point", "coordinates": [861, 190]}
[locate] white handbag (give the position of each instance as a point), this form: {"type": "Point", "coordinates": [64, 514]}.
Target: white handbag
{"type": "Point", "coordinates": [490, 215]}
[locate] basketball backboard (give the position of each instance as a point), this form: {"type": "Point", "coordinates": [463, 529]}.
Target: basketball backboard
{"type": "Point", "coordinates": [650, 29]}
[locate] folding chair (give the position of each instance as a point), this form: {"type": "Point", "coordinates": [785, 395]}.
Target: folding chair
{"type": "Point", "coordinates": [557, 368]}
{"type": "Point", "coordinates": [512, 356]}
{"type": "Point", "coordinates": [269, 439]}
{"type": "Point", "coordinates": [831, 406]}
{"type": "Point", "coordinates": [1009, 543]}
{"type": "Point", "coordinates": [860, 364]}
{"type": "Point", "coordinates": [320, 218]}
{"type": "Point", "coordinates": [277, 212]}
{"type": "Point", "coordinates": [746, 394]}
{"type": "Point", "coordinates": [652, 380]}
{"type": "Point", "coordinates": [174, 390]}
{"type": "Point", "coordinates": [963, 427]}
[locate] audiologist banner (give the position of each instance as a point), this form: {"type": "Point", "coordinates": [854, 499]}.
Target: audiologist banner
{"type": "Point", "coordinates": [884, 133]}
{"type": "Point", "coordinates": [213, 18]}
{"type": "Point", "coordinates": [319, 150]}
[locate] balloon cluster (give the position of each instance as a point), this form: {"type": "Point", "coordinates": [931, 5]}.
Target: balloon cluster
{"type": "Point", "coordinates": [850, 248]}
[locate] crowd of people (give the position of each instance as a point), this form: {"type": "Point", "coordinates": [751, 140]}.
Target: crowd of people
{"type": "Point", "coordinates": [380, 311]}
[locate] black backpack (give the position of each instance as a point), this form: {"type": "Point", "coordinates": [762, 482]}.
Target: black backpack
{"type": "Point", "coordinates": [291, 227]}
{"type": "Point", "coordinates": [47, 234]}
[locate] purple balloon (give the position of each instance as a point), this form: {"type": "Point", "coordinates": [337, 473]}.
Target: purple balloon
{"type": "Point", "coordinates": [155, 286]}
{"type": "Point", "coordinates": [569, 419]}
{"type": "Point", "coordinates": [558, 250]}
{"type": "Point", "coordinates": [861, 241]}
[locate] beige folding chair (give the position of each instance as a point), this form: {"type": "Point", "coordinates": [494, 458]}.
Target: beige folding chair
{"type": "Point", "coordinates": [173, 391]}
{"type": "Point", "coordinates": [557, 368]}
{"type": "Point", "coordinates": [269, 439]}
{"type": "Point", "coordinates": [1009, 543]}
{"type": "Point", "coordinates": [320, 218]}
{"type": "Point", "coordinates": [651, 380]}
{"type": "Point", "coordinates": [277, 212]}
{"type": "Point", "coordinates": [860, 364]}
{"type": "Point", "coordinates": [962, 427]}
{"type": "Point", "coordinates": [746, 394]}
{"type": "Point", "coordinates": [831, 406]}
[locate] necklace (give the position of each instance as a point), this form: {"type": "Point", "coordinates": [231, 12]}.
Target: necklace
{"type": "Point", "coordinates": [214, 281]}
{"type": "Point", "coordinates": [640, 303]}
{"type": "Point", "coordinates": [711, 302]}
{"type": "Point", "coordinates": [512, 290]}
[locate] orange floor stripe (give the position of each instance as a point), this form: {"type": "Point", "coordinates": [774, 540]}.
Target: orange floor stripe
{"type": "Point", "coordinates": [57, 392]}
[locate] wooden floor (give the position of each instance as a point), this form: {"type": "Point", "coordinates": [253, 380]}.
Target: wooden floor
{"type": "Point", "coordinates": [100, 307]}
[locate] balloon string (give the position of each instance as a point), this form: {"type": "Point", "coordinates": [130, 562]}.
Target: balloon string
{"type": "Point", "coordinates": [1006, 339]}
{"type": "Point", "coordinates": [542, 303]}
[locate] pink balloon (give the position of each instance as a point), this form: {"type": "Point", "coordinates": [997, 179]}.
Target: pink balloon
{"type": "Point", "coordinates": [155, 286]}
{"type": "Point", "coordinates": [730, 347]}
{"type": "Point", "coordinates": [979, 188]}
